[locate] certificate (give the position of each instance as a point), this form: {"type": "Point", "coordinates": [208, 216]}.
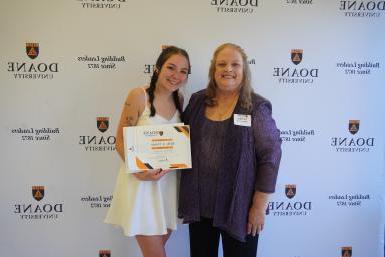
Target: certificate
{"type": "Point", "coordinates": [157, 146]}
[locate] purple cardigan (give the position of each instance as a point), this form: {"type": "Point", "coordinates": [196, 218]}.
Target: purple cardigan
{"type": "Point", "coordinates": [250, 163]}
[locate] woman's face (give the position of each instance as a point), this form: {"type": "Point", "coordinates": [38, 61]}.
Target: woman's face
{"type": "Point", "coordinates": [228, 73]}
{"type": "Point", "coordinates": [173, 73]}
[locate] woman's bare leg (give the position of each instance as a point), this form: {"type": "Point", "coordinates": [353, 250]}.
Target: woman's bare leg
{"type": "Point", "coordinates": [151, 246]}
{"type": "Point", "coordinates": [166, 236]}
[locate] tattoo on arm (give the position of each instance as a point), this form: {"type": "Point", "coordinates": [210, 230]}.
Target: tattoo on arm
{"type": "Point", "coordinates": [130, 121]}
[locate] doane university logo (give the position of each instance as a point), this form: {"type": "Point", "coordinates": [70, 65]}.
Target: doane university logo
{"type": "Point", "coordinates": [33, 68]}
{"type": "Point", "coordinates": [356, 141]}
{"type": "Point", "coordinates": [299, 74]}
{"type": "Point", "coordinates": [354, 126]}
{"type": "Point", "coordinates": [296, 56]}
{"type": "Point", "coordinates": [290, 191]}
{"type": "Point", "coordinates": [38, 192]}
{"type": "Point", "coordinates": [32, 50]}
{"type": "Point", "coordinates": [104, 253]}
{"type": "Point", "coordinates": [289, 206]}
{"type": "Point", "coordinates": [102, 123]}
{"type": "Point", "coordinates": [235, 6]}
{"type": "Point", "coordinates": [362, 8]}
{"type": "Point", "coordinates": [99, 142]}
{"type": "Point", "coordinates": [40, 208]}
{"type": "Point", "coordinates": [346, 251]}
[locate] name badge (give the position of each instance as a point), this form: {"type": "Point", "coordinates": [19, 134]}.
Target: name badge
{"type": "Point", "coordinates": [242, 120]}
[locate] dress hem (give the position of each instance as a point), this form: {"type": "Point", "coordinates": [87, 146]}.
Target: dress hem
{"type": "Point", "coordinates": [125, 233]}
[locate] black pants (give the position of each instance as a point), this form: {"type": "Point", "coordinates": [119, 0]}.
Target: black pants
{"type": "Point", "coordinates": [204, 242]}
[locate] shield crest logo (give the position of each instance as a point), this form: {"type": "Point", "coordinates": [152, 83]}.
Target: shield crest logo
{"type": "Point", "coordinates": [38, 192]}
{"type": "Point", "coordinates": [346, 252]}
{"type": "Point", "coordinates": [296, 56]}
{"type": "Point", "coordinates": [102, 123]}
{"type": "Point", "coordinates": [354, 126]}
{"type": "Point", "coordinates": [290, 191]}
{"type": "Point", "coordinates": [104, 253]}
{"type": "Point", "coordinates": [32, 50]}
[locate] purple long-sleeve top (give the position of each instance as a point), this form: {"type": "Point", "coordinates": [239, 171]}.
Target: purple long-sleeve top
{"type": "Point", "coordinates": [249, 163]}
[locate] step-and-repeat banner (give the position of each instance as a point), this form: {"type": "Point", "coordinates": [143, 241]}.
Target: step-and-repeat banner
{"type": "Point", "coordinates": [67, 66]}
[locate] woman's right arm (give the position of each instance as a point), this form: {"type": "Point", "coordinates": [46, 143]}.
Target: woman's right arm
{"type": "Point", "coordinates": [132, 109]}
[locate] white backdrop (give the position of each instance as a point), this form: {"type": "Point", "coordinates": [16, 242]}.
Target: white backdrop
{"type": "Point", "coordinates": [330, 190]}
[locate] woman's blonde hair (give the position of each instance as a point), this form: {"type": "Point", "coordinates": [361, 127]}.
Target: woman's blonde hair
{"type": "Point", "coordinates": [245, 90]}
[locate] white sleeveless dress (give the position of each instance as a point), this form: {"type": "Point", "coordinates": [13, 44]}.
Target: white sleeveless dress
{"type": "Point", "coordinates": [145, 207]}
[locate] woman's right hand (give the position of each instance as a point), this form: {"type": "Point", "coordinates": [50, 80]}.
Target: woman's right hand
{"type": "Point", "coordinates": [150, 175]}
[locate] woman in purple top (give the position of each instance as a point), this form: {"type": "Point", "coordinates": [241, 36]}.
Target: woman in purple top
{"type": "Point", "coordinates": [236, 151]}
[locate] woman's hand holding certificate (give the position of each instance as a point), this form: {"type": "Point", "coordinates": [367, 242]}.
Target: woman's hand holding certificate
{"type": "Point", "coordinates": [151, 175]}
{"type": "Point", "coordinates": [164, 147]}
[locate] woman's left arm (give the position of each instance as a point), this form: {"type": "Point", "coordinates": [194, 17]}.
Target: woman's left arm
{"type": "Point", "coordinates": [267, 148]}
{"type": "Point", "coordinates": [268, 155]}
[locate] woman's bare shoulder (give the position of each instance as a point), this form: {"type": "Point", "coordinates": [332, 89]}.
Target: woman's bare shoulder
{"type": "Point", "coordinates": [136, 96]}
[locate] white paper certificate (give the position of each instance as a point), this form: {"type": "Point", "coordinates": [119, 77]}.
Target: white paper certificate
{"type": "Point", "coordinates": [157, 146]}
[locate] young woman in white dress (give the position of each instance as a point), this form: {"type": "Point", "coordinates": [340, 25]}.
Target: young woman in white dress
{"type": "Point", "coordinates": [145, 204]}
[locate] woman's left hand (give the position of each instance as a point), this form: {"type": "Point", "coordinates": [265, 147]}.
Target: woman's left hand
{"type": "Point", "coordinates": [257, 213]}
{"type": "Point", "coordinates": [256, 220]}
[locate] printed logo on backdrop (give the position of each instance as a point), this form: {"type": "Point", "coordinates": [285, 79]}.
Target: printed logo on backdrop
{"type": "Point", "coordinates": [293, 205]}
{"type": "Point", "coordinates": [101, 4]}
{"type": "Point", "coordinates": [95, 201]}
{"type": "Point", "coordinates": [38, 192]}
{"type": "Point", "coordinates": [235, 6]}
{"type": "Point", "coordinates": [346, 251]}
{"type": "Point", "coordinates": [354, 140]}
{"type": "Point", "coordinates": [354, 126]}
{"type": "Point", "coordinates": [297, 73]}
{"type": "Point", "coordinates": [296, 56]}
{"type": "Point", "coordinates": [298, 2]}
{"type": "Point", "coordinates": [99, 142]}
{"type": "Point", "coordinates": [98, 62]}
{"type": "Point", "coordinates": [357, 68]}
{"type": "Point", "coordinates": [104, 253]}
{"type": "Point", "coordinates": [35, 135]}
{"type": "Point", "coordinates": [296, 135]}
{"type": "Point", "coordinates": [38, 208]}
{"type": "Point", "coordinates": [32, 50]}
{"type": "Point", "coordinates": [347, 200]}
{"type": "Point", "coordinates": [102, 123]}
{"type": "Point", "coordinates": [290, 191]}
{"type": "Point", "coordinates": [362, 9]}
{"type": "Point", "coordinates": [32, 67]}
